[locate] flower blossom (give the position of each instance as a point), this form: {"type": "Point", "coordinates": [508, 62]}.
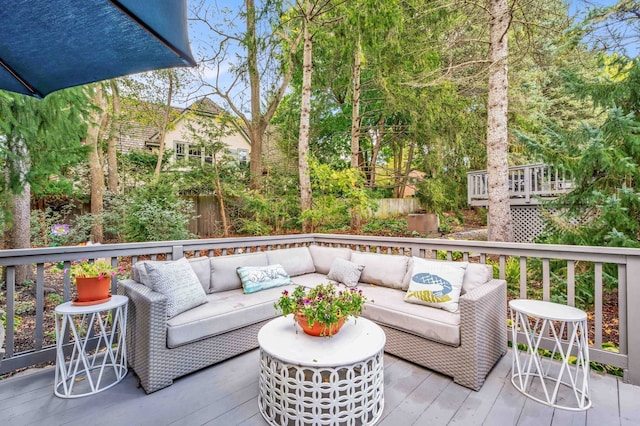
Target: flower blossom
{"type": "Point", "coordinates": [60, 229]}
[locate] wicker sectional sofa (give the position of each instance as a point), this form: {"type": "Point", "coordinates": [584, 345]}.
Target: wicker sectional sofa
{"type": "Point", "coordinates": [464, 344]}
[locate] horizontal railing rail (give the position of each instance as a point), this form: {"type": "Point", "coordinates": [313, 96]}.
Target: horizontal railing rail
{"type": "Point", "coordinates": [551, 265]}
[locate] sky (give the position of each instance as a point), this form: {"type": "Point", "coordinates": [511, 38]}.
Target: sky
{"type": "Point", "coordinates": [200, 39]}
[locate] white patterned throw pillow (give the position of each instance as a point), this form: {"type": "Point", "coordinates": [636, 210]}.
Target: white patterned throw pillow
{"type": "Point", "coordinates": [177, 281]}
{"type": "Point", "coordinates": [345, 272]}
{"type": "Point", "coordinates": [256, 278]}
{"type": "Point", "coordinates": [435, 283]}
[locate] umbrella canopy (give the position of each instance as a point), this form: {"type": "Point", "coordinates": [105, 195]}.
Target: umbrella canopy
{"type": "Point", "coordinates": [48, 45]}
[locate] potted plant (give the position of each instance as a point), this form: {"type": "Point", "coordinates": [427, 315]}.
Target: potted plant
{"type": "Point", "coordinates": [93, 280]}
{"type": "Point", "coordinates": [322, 310]}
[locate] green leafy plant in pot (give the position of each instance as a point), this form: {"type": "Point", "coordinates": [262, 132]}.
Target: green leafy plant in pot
{"type": "Point", "coordinates": [322, 310]}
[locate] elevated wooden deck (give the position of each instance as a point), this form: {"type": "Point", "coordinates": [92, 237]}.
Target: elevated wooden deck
{"type": "Point", "coordinates": [226, 394]}
{"type": "Point", "coordinates": [527, 185]}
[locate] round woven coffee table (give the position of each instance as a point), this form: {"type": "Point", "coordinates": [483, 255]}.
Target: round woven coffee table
{"type": "Point", "coordinates": [307, 380]}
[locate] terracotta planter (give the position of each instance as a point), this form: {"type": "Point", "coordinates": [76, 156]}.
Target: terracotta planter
{"type": "Point", "coordinates": [93, 289]}
{"type": "Point", "coordinates": [319, 329]}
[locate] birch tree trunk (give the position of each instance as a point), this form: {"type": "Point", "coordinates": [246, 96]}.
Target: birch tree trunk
{"type": "Point", "coordinates": [305, 112]}
{"type": "Point", "coordinates": [96, 171]}
{"type": "Point", "coordinates": [112, 145]}
{"type": "Point", "coordinates": [499, 217]}
{"type": "Point", "coordinates": [355, 114]}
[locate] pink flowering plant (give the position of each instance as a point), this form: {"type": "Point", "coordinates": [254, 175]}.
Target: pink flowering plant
{"type": "Point", "coordinates": [324, 303]}
{"type": "Point", "coordinates": [88, 269]}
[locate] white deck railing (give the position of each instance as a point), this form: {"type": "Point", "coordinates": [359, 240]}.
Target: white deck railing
{"type": "Point", "coordinates": [574, 259]}
{"type": "Point", "coordinates": [527, 184]}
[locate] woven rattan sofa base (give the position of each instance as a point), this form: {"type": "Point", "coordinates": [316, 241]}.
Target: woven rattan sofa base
{"type": "Point", "coordinates": [483, 339]}
{"type": "Point", "coordinates": [154, 363]}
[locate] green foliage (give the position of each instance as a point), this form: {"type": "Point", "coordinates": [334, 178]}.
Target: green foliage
{"type": "Point", "coordinates": [43, 221]}
{"type": "Point", "coordinates": [156, 213]}
{"type": "Point", "coordinates": [604, 206]}
{"type": "Point", "coordinates": [385, 226]}
{"type": "Point", "coordinates": [17, 321]}
{"type": "Point", "coordinates": [337, 195]}
{"type": "Point", "coordinates": [55, 299]}
{"type": "Point", "coordinates": [274, 209]}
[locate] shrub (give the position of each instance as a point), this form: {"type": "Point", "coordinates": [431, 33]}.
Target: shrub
{"type": "Point", "coordinates": [156, 213]}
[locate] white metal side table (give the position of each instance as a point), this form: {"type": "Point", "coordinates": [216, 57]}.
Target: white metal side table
{"type": "Point", "coordinates": [562, 385]}
{"type": "Point", "coordinates": [102, 327]}
{"type": "Point", "coordinates": [306, 380]}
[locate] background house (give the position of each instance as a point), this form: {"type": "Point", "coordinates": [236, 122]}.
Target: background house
{"type": "Point", "coordinates": [178, 140]}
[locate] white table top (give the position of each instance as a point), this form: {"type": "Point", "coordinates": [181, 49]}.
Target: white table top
{"type": "Point", "coordinates": [69, 308]}
{"type": "Point", "coordinates": [357, 340]}
{"type": "Point", "coordinates": [548, 310]}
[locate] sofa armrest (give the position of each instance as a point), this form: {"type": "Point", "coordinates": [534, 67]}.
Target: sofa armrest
{"type": "Point", "coordinates": [147, 322]}
{"type": "Point", "coordinates": [483, 312]}
{"type": "Point", "coordinates": [483, 328]}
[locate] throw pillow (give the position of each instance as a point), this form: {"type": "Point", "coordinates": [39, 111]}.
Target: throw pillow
{"type": "Point", "coordinates": [177, 281]}
{"type": "Point", "coordinates": [345, 272]}
{"type": "Point", "coordinates": [436, 284]}
{"type": "Point", "coordinates": [256, 278]}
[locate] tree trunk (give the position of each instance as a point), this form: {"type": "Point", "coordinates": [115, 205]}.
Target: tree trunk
{"type": "Point", "coordinates": [305, 112]}
{"type": "Point", "coordinates": [257, 131]}
{"type": "Point", "coordinates": [376, 143]}
{"type": "Point", "coordinates": [163, 128]}
{"type": "Point", "coordinates": [355, 113]}
{"type": "Point", "coordinates": [499, 217]}
{"type": "Point", "coordinates": [112, 146]}
{"type": "Point", "coordinates": [19, 235]}
{"type": "Point", "coordinates": [223, 213]}
{"type": "Point", "coordinates": [96, 170]}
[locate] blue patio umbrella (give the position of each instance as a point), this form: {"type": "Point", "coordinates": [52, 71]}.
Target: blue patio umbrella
{"type": "Point", "coordinates": [48, 45]}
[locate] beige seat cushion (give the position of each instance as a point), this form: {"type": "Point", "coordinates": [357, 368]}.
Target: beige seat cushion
{"type": "Point", "coordinates": [382, 269]}
{"type": "Point", "coordinates": [225, 311]}
{"type": "Point", "coordinates": [389, 308]}
{"type": "Point", "coordinates": [310, 280]}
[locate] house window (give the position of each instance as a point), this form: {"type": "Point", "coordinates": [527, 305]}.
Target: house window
{"type": "Point", "coordinates": [243, 156]}
{"type": "Point", "coordinates": [181, 148]}
{"type": "Point", "coordinates": [194, 152]}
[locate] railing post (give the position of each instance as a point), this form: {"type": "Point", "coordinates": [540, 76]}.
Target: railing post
{"type": "Point", "coordinates": [632, 373]}
{"type": "Point", "coordinates": [527, 184]}
{"type": "Point", "coordinates": [177, 253]}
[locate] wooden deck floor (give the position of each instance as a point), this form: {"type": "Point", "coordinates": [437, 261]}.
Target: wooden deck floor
{"type": "Point", "coordinates": [226, 394]}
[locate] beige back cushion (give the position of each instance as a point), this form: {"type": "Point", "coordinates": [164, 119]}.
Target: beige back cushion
{"type": "Point", "coordinates": [323, 257]}
{"type": "Point", "coordinates": [476, 275]}
{"type": "Point", "coordinates": [296, 261]}
{"type": "Point", "coordinates": [223, 269]}
{"type": "Point", "coordinates": [382, 269]}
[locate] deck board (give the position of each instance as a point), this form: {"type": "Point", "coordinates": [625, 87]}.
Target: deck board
{"type": "Point", "coordinates": [226, 394]}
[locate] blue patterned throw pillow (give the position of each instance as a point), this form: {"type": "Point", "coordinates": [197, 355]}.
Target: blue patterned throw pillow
{"type": "Point", "coordinates": [436, 284]}
{"type": "Point", "coordinates": [256, 278]}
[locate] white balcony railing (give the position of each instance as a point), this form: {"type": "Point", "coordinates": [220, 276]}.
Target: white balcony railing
{"type": "Point", "coordinates": [527, 184]}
